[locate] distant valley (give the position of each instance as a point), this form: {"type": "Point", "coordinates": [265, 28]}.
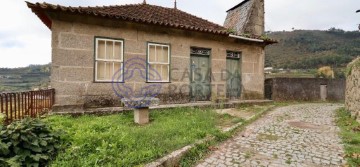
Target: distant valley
{"type": "Point", "coordinates": [24, 78]}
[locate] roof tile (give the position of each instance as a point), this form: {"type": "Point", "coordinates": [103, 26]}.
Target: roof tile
{"type": "Point", "coordinates": [142, 13]}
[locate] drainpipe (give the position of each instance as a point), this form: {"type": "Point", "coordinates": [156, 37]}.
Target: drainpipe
{"type": "Point", "coordinates": [246, 39]}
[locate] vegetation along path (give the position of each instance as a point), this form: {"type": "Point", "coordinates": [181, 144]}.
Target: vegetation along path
{"type": "Point", "coordinates": [296, 135]}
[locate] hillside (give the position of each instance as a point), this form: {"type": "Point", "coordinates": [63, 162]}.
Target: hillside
{"type": "Point", "coordinates": [25, 78]}
{"type": "Point", "coordinates": [309, 49]}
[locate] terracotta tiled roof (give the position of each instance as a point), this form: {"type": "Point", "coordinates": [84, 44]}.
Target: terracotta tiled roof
{"type": "Point", "coordinates": [140, 13]}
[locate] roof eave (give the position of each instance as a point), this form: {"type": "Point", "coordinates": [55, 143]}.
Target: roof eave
{"type": "Point", "coordinates": [266, 41]}
{"type": "Point", "coordinates": [240, 4]}
{"type": "Point", "coordinates": [246, 39]}
{"type": "Point", "coordinates": [40, 13]}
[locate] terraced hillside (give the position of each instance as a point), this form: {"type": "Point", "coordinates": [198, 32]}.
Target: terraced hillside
{"type": "Point", "coordinates": [311, 49]}
{"type": "Point", "coordinates": [23, 79]}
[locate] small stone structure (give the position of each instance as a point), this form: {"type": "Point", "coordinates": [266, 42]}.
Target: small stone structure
{"type": "Point", "coordinates": [141, 106]}
{"type": "Point", "coordinates": [323, 92]}
{"type": "Point", "coordinates": [352, 95]}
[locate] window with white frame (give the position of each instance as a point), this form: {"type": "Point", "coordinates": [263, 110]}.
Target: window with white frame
{"type": "Point", "coordinates": [109, 60]}
{"type": "Point", "coordinates": [158, 63]}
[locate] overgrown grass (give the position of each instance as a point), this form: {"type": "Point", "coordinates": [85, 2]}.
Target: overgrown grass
{"type": "Point", "coordinates": [116, 141]}
{"type": "Point", "coordinates": [251, 108]}
{"type": "Point", "coordinates": [350, 133]}
{"type": "Point", "coordinates": [228, 120]}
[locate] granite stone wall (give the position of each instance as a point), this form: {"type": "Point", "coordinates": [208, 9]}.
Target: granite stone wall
{"type": "Point", "coordinates": [352, 102]}
{"type": "Point", "coordinates": [304, 89]}
{"type": "Point", "coordinates": [73, 62]}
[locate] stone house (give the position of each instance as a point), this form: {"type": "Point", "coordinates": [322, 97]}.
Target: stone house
{"type": "Point", "coordinates": [100, 54]}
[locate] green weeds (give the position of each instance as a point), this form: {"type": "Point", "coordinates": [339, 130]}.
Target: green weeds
{"type": "Point", "coordinates": [350, 133]}
{"type": "Point", "coordinates": [116, 141]}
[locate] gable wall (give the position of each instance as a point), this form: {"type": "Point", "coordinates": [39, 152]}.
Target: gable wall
{"type": "Point", "coordinates": [73, 62]}
{"type": "Point", "coordinates": [248, 18]}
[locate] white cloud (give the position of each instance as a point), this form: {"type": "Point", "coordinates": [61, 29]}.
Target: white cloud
{"type": "Point", "coordinates": [25, 40]}
{"type": "Point", "coordinates": [311, 14]}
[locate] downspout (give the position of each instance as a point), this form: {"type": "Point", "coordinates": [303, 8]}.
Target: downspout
{"type": "Point", "coordinates": [246, 39]}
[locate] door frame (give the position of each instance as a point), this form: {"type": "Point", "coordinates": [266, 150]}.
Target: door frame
{"type": "Point", "coordinates": [240, 69]}
{"type": "Point", "coordinates": [210, 66]}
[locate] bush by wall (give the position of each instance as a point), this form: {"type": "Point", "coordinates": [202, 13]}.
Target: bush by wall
{"type": "Point", "coordinates": [28, 142]}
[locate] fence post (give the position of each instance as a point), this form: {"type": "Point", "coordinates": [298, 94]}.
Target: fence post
{"type": "Point", "coordinates": [2, 103]}
{"type": "Point", "coordinates": [31, 104]}
{"type": "Point", "coordinates": [15, 107]}
{"type": "Point", "coordinates": [52, 97]}
{"type": "Point", "coordinates": [11, 108]}
{"type": "Point", "coordinates": [20, 115]}
{"type": "Point", "coordinates": [22, 105]}
{"type": "Point", "coordinates": [6, 107]}
{"type": "Point", "coordinates": [27, 102]}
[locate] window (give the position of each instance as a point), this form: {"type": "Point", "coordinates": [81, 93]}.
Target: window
{"type": "Point", "coordinates": [109, 60]}
{"type": "Point", "coordinates": [233, 55]}
{"type": "Point", "coordinates": [158, 69]}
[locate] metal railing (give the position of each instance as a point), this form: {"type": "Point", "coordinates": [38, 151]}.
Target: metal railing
{"type": "Point", "coordinates": [17, 106]}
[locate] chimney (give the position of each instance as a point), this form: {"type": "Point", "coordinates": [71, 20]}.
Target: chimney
{"type": "Point", "coordinates": [248, 17]}
{"type": "Point", "coordinates": [175, 5]}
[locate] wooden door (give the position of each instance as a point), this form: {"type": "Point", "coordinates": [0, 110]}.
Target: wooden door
{"type": "Point", "coordinates": [233, 82]}
{"type": "Point", "coordinates": [200, 78]}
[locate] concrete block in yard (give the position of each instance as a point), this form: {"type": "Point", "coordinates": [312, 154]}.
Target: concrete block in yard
{"type": "Point", "coordinates": [141, 116]}
{"type": "Point", "coordinates": [141, 108]}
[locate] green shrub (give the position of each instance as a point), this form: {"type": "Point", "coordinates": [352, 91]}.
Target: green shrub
{"type": "Point", "coordinates": [28, 142]}
{"type": "Point", "coordinates": [2, 118]}
{"type": "Point", "coordinates": [354, 64]}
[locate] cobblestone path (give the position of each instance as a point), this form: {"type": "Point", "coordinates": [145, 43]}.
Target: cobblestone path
{"type": "Point", "coordinates": [296, 135]}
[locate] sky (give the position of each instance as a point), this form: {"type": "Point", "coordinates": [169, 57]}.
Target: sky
{"type": "Point", "coordinates": [25, 40]}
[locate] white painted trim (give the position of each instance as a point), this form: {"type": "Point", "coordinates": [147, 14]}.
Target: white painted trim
{"type": "Point", "coordinates": [158, 63]}
{"type": "Point", "coordinates": [245, 38]}
{"type": "Point", "coordinates": [162, 47]}
{"type": "Point", "coordinates": [112, 61]}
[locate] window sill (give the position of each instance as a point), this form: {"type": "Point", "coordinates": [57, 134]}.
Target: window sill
{"type": "Point", "coordinates": [107, 82]}
{"type": "Point", "coordinates": [157, 82]}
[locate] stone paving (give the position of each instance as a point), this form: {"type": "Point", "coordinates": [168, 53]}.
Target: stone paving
{"type": "Point", "coordinates": [296, 135]}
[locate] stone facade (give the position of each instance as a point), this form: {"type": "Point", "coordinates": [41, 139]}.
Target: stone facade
{"type": "Point", "coordinates": [247, 18]}
{"type": "Point", "coordinates": [352, 95]}
{"type": "Point", "coordinates": [73, 61]}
